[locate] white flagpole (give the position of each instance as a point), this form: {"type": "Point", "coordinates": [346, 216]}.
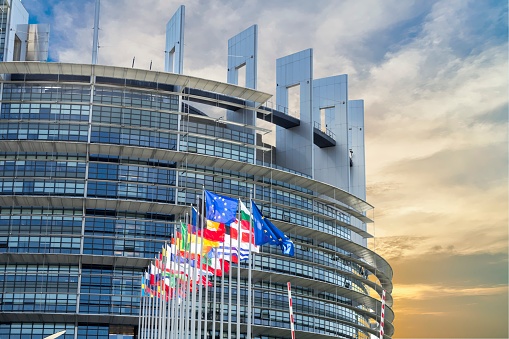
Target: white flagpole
{"type": "Point", "coordinates": [190, 277]}
{"type": "Point", "coordinates": [382, 316]}
{"type": "Point", "coordinates": [150, 313]}
{"type": "Point", "coordinates": [170, 293]}
{"type": "Point", "coordinates": [214, 305]}
{"type": "Point", "coordinates": [182, 288]}
{"type": "Point", "coordinates": [141, 299]}
{"type": "Point", "coordinates": [198, 264]}
{"type": "Point", "coordinates": [165, 312]}
{"type": "Point", "coordinates": [239, 238]}
{"type": "Point", "coordinates": [214, 299]}
{"type": "Point", "coordinates": [173, 300]}
{"type": "Point", "coordinates": [249, 276]}
{"type": "Point", "coordinates": [166, 309]}
{"type": "Point", "coordinates": [140, 326]}
{"type": "Point", "coordinates": [162, 306]}
{"type": "Point", "coordinates": [173, 313]}
{"type": "Point", "coordinates": [156, 307]}
{"type": "Point", "coordinates": [230, 292]}
{"type": "Point", "coordinates": [156, 320]}
{"type": "Point", "coordinates": [163, 297]}
{"type": "Point", "coordinates": [205, 320]}
{"type": "Point", "coordinates": [290, 306]}
{"type": "Point", "coordinates": [185, 290]}
{"type": "Point", "coordinates": [222, 302]}
{"type": "Point", "coordinates": [142, 329]}
{"type": "Point", "coordinates": [159, 300]}
{"type": "Point", "coordinates": [195, 287]}
{"type": "Point", "coordinates": [140, 321]}
{"type": "Point", "coordinates": [162, 262]}
{"type": "Point", "coordinates": [163, 290]}
{"type": "Point", "coordinates": [153, 314]}
{"type": "Point", "coordinates": [146, 307]}
{"type": "Point", "coordinates": [188, 284]}
{"type": "Point", "coordinates": [149, 309]}
{"type": "Point", "coordinates": [177, 314]}
{"type": "Point", "coordinates": [143, 334]}
{"type": "Point", "coordinates": [153, 301]}
{"type": "Point", "coordinates": [204, 224]}
{"type": "Point", "coordinates": [162, 313]}
{"type": "Point", "coordinates": [183, 302]}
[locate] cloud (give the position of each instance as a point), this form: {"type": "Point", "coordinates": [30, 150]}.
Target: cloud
{"type": "Point", "coordinates": [437, 149]}
{"type": "Point", "coordinates": [447, 270]}
{"type": "Point", "coordinates": [420, 292]}
{"type": "Point", "coordinates": [476, 313]}
{"type": "Point", "coordinates": [429, 92]}
{"type": "Point", "coordinates": [451, 198]}
{"type": "Point", "coordinates": [443, 294]}
{"type": "Point", "coordinates": [459, 167]}
{"type": "Point", "coordinates": [394, 247]}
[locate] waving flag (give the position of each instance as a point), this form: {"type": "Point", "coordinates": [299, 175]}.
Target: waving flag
{"type": "Point", "coordinates": [243, 226]}
{"type": "Point", "coordinates": [181, 266]}
{"type": "Point", "coordinates": [183, 242]}
{"type": "Point", "coordinates": [190, 242]}
{"type": "Point", "coordinates": [230, 247]}
{"type": "Point", "coordinates": [213, 231]}
{"type": "Point", "coordinates": [153, 274]}
{"type": "Point", "coordinates": [266, 232]}
{"type": "Point", "coordinates": [145, 284]}
{"type": "Point", "coordinates": [220, 208]}
{"type": "Point", "coordinates": [196, 217]}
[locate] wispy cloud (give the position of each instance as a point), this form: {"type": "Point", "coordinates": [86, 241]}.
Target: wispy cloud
{"type": "Point", "coordinates": [394, 247]}
{"type": "Point", "coordinates": [420, 292]}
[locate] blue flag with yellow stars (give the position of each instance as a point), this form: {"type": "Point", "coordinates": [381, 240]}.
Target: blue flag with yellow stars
{"type": "Point", "coordinates": [220, 208]}
{"type": "Point", "coordinates": [266, 232]}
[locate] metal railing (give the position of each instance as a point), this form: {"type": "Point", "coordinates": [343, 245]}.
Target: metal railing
{"type": "Point", "coordinates": [325, 130]}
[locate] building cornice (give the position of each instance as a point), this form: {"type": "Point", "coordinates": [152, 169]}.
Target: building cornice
{"type": "Point", "coordinates": [184, 81]}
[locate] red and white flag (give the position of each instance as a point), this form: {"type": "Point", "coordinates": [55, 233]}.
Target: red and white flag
{"type": "Point", "coordinates": [382, 316]}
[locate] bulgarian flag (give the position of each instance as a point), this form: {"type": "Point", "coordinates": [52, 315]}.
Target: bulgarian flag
{"type": "Point", "coordinates": [243, 227]}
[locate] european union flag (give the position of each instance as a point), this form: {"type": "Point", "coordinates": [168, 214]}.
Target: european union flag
{"type": "Point", "coordinates": [220, 208]}
{"type": "Point", "coordinates": [266, 232]}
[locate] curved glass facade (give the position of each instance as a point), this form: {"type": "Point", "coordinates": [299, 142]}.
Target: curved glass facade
{"type": "Point", "coordinates": [78, 227]}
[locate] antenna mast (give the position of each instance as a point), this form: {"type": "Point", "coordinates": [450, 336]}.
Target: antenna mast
{"type": "Point", "coordinates": [95, 46]}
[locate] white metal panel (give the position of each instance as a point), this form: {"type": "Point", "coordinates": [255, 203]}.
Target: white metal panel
{"type": "Point", "coordinates": [294, 146]}
{"type": "Point", "coordinates": [174, 48]}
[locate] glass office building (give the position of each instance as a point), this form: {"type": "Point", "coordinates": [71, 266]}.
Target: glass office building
{"type": "Point", "coordinates": [99, 163]}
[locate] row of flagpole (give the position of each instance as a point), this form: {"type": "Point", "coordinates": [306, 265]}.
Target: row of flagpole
{"type": "Point", "coordinates": [176, 285]}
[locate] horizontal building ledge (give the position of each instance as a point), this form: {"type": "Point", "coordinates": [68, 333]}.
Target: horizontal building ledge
{"type": "Point", "coordinates": [340, 199]}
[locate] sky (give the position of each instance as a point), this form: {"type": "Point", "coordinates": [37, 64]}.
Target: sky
{"type": "Point", "coordinates": [434, 79]}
